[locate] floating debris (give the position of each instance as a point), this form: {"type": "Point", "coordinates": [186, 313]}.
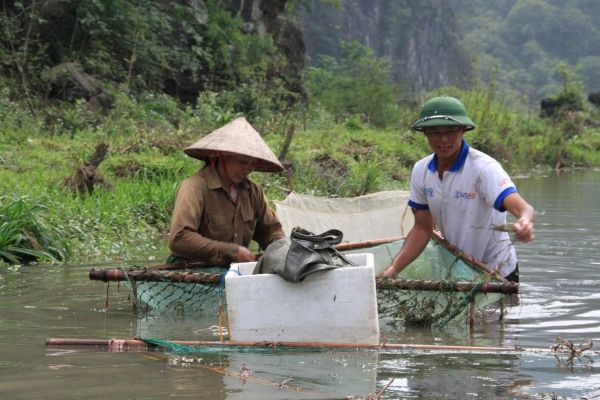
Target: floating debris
{"type": "Point", "coordinates": [572, 351]}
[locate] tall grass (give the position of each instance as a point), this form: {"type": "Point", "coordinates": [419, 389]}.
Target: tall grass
{"type": "Point", "coordinates": [126, 221]}
{"type": "Point", "coordinates": [25, 234]}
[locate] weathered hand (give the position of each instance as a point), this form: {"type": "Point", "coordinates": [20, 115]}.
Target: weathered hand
{"type": "Point", "coordinates": [244, 255]}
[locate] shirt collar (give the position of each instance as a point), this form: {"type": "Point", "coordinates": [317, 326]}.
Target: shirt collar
{"type": "Point", "coordinates": [213, 181]}
{"type": "Point", "coordinates": [458, 163]}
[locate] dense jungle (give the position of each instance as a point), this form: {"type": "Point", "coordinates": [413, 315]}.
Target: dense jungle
{"type": "Point", "coordinates": [99, 97]}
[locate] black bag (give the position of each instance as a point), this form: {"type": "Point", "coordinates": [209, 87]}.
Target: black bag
{"type": "Point", "coordinates": [302, 254]}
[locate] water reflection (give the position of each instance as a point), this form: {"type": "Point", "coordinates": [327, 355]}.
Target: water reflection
{"type": "Point", "coordinates": [266, 374]}
{"type": "Point", "coordinates": [302, 375]}
{"type": "Point", "coordinates": [561, 267]}
{"type": "Point", "coordinates": [455, 376]}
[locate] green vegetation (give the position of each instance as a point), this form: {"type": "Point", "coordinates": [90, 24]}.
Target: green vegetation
{"type": "Point", "coordinates": [351, 137]}
{"type": "Point", "coordinates": [24, 235]}
{"type": "Point", "coordinates": [429, 43]}
{"type": "Point", "coordinates": [357, 84]}
{"type": "Point", "coordinates": [127, 215]}
{"type": "Point", "coordinates": [142, 45]}
{"type": "Point", "coordinates": [520, 42]}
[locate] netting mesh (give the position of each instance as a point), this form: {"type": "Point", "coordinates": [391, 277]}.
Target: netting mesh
{"type": "Point", "coordinates": [178, 296]}
{"type": "Point", "coordinates": [371, 217]}
{"type": "Point", "coordinates": [396, 305]}
{"type": "Point", "coordinates": [435, 308]}
{"type": "Point", "coordinates": [386, 215]}
{"type": "Point", "coordinates": [184, 297]}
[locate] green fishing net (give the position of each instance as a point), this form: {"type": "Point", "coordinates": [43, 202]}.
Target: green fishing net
{"type": "Point", "coordinates": [396, 305]}
{"type": "Point", "coordinates": [429, 308]}
{"type": "Point", "coordinates": [179, 297]}
{"type": "Point", "coordinates": [181, 348]}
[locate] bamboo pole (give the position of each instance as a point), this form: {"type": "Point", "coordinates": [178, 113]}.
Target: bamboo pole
{"type": "Point", "coordinates": [116, 274]}
{"type": "Point", "coordinates": [166, 273]}
{"type": "Point", "coordinates": [339, 247]}
{"type": "Point", "coordinates": [182, 265]}
{"type": "Point", "coordinates": [435, 235]}
{"type": "Point", "coordinates": [366, 243]}
{"type": "Point", "coordinates": [447, 286]}
{"type": "Point", "coordinates": [138, 344]}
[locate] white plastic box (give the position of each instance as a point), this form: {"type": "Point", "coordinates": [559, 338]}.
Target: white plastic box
{"type": "Point", "coordinates": [338, 305]}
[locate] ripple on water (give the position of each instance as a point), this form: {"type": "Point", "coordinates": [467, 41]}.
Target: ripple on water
{"type": "Point", "coordinates": [591, 313]}
{"type": "Point", "coordinates": [577, 383]}
{"type": "Point", "coordinates": [561, 323]}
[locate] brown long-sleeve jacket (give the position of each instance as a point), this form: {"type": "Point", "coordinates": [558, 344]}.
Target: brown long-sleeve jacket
{"type": "Point", "coordinates": [208, 226]}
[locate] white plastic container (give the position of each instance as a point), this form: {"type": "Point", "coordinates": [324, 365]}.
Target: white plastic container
{"type": "Point", "coordinates": [339, 305]}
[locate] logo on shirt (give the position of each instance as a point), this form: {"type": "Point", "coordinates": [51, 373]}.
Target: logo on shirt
{"type": "Point", "coordinates": [465, 195]}
{"type": "Point", "coordinates": [503, 182]}
{"type": "Point", "coordinates": [428, 191]}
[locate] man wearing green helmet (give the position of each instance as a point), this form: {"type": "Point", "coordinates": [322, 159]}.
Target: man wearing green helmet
{"type": "Point", "coordinates": [459, 190]}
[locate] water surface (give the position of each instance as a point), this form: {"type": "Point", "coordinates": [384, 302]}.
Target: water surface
{"type": "Point", "coordinates": [560, 275]}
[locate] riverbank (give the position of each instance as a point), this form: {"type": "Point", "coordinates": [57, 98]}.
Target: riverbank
{"type": "Point", "coordinates": [126, 215]}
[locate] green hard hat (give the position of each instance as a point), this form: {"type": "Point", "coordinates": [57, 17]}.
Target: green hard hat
{"type": "Point", "coordinates": [443, 111]}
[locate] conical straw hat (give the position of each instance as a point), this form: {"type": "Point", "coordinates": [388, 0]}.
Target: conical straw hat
{"type": "Point", "coordinates": [237, 137]}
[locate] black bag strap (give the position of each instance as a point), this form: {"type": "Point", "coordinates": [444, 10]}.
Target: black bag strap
{"type": "Point", "coordinates": [325, 240]}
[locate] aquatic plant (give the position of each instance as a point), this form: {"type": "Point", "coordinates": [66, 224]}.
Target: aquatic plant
{"type": "Point", "coordinates": [24, 234]}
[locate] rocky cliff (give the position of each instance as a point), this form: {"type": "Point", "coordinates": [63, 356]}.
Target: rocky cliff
{"type": "Point", "coordinates": [420, 38]}
{"type": "Point", "coordinates": [267, 17]}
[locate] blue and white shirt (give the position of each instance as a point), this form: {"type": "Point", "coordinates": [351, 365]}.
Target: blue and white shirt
{"type": "Point", "coordinates": [466, 203]}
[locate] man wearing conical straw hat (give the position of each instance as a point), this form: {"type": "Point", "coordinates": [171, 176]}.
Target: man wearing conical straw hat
{"type": "Point", "coordinates": [219, 210]}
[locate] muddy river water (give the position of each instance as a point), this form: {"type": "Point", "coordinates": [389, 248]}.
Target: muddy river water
{"type": "Point", "coordinates": [560, 296]}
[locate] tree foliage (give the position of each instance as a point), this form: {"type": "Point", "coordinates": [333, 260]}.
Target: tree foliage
{"type": "Point", "coordinates": [143, 45]}
{"type": "Point", "coordinates": [525, 40]}
{"type": "Point", "coordinates": [358, 83]}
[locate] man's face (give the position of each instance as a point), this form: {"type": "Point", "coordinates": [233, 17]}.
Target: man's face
{"type": "Point", "coordinates": [445, 141]}
{"type": "Point", "coordinates": [239, 167]}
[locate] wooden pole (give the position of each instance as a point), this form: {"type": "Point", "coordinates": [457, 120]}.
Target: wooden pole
{"type": "Point", "coordinates": [466, 257]}
{"type": "Point", "coordinates": [135, 343]}
{"type": "Point", "coordinates": [447, 286]}
{"type": "Point", "coordinates": [116, 274]}
{"type": "Point", "coordinates": [96, 275]}
{"type": "Point", "coordinates": [339, 247]}
{"type": "Point", "coordinates": [179, 266]}
{"type": "Point", "coordinates": [367, 243]}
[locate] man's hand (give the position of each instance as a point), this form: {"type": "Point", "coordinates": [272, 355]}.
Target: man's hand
{"type": "Point", "coordinates": [524, 230]}
{"type": "Point", "coordinates": [525, 215]}
{"type": "Point", "coordinates": [390, 272]}
{"type": "Point", "coordinates": [244, 255]}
